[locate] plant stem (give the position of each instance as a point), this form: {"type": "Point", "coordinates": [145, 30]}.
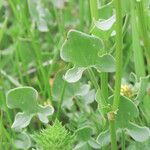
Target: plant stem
{"type": "Point", "coordinates": [61, 100]}
{"type": "Point", "coordinates": [94, 9]}
{"type": "Point", "coordinates": [104, 76]}
{"type": "Point", "coordinates": [138, 53]}
{"type": "Point", "coordinates": [143, 27]}
{"type": "Point", "coordinates": [93, 78]}
{"type": "Point", "coordinates": [123, 140]}
{"type": "Point", "coordinates": [104, 86]}
{"type": "Point", "coordinates": [81, 14]}
{"type": "Point", "coordinates": [113, 134]}
{"type": "Point", "coordinates": [119, 43]}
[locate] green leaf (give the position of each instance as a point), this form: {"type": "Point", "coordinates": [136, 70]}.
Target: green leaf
{"type": "Point", "coordinates": [72, 90]}
{"type": "Point", "coordinates": [22, 141]}
{"type": "Point", "coordinates": [104, 28]}
{"type": "Point", "coordinates": [82, 50]}
{"type": "Point", "coordinates": [84, 133]}
{"type": "Point", "coordinates": [127, 110]}
{"type": "Point", "coordinates": [139, 146]}
{"type": "Point", "coordinates": [94, 144]}
{"type": "Point", "coordinates": [106, 11]}
{"type": "Point", "coordinates": [103, 138]}
{"type": "Point", "coordinates": [44, 112]}
{"type": "Point", "coordinates": [25, 98]}
{"type": "Point", "coordinates": [83, 146]}
{"type": "Point", "coordinates": [21, 120]}
{"type": "Point", "coordinates": [89, 97]}
{"type": "Point", "coordinates": [142, 89]}
{"type": "Point", "coordinates": [138, 133]}
{"type": "Point", "coordinates": [107, 24]}
{"type": "Point", "coordinates": [74, 74]}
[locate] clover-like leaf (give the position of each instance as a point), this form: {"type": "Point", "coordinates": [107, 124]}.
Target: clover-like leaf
{"type": "Point", "coordinates": [82, 50]}
{"type": "Point", "coordinates": [89, 97]}
{"type": "Point", "coordinates": [21, 120]}
{"type": "Point", "coordinates": [127, 110]}
{"type": "Point", "coordinates": [22, 141]}
{"type": "Point", "coordinates": [138, 133]}
{"type": "Point", "coordinates": [103, 138]}
{"type": "Point", "coordinates": [94, 144]}
{"type": "Point", "coordinates": [106, 24]}
{"type": "Point", "coordinates": [84, 133]}
{"type": "Point", "coordinates": [104, 28]}
{"type": "Point", "coordinates": [83, 146]}
{"type": "Point", "coordinates": [74, 74]}
{"type": "Point", "coordinates": [105, 11]}
{"type": "Point", "coordinates": [142, 89]}
{"type": "Point", "coordinates": [72, 90]}
{"type": "Point", "coordinates": [25, 99]}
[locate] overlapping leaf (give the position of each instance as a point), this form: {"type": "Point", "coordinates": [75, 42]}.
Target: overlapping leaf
{"type": "Point", "coordinates": [71, 91]}
{"type": "Point", "coordinates": [84, 133]}
{"type": "Point", "coordinates": [82, 50]}
{"type": "Point", "coordinates": [127, 110]}
{"type": "Point", "coordinates": [138, 133]}
{"type": "Point", "coordinates": [25, 98]}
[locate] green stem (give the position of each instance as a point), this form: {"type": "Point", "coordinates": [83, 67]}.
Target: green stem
{"type": "Point", "coordinates": [61, 97]}
{"type": "Point", "coordinates": [93, 78]}
{"type": "Point", "coordinates": [143, 26]}
{"type": "Point", "coordinates": [104, 76]}
{"type": "Point", "coordinates": [94, 9]}
{"type": "Point", "coordinates": [61, 100]}
{"type": "Point", "coordinates": [104, 86]}
{"type": "Point", "coordinates": [138, 53]}
{"type": "Point", "coordinates": [113, 134]}
{"type": "Point", "coordinates": [10, 78]}
{"type": "Point", "coordinates": [81, 14]}
{"type": "Point", "coordinates": [123, 140]}
{"type": "Point", "coordinates": [119, 43]}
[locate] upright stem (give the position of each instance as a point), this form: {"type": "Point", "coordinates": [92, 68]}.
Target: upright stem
{"type": "Point", "coordinates": [113, 134]}
{"type": "Point", "coordinates": [81, 14]}
{"type": "Point", "coordinates": [104, 76]}
{"type": "Point", "coordinates": [119, 43]}
{"type": "Point", "coordinates": [94, 9]}
{"type": "Point", "coordinates": [137, 51]}
{"type": "Point", "coordinates": [61, 100]}
{"type": "Point", "coordinates": [123, 140]}
{"type": "Point", "coordinates": [143, 26]}
{"type": "Point", "coordinates": [104, 86]}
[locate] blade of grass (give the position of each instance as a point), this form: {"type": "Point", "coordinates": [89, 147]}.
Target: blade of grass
{"type": "Point", "coordinates": [143, 26]}
{"type": "Point", "coordinates": [138, 54]}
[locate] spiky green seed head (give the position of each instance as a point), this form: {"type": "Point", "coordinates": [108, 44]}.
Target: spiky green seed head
{"type": "Point", "coordinates": [55, 137]}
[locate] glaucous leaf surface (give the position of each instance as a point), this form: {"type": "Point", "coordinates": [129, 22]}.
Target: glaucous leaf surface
{"type": "Point", "coordinates": [127, 110]}
{"type": "Point", "coordinates": [25, 99]}
{"type": "Point", "coordinates": [138, 133]}
{"type": "Point", "coordinates": [103, 138]}
{"type": "Point", "coordinates": [84, 133]}
{"type": "Point", "coordinates": [22, 141]}
{"type": "Point", "coordinates": [82, 50]}
{"type": "Point", "coordinates": [71, 91]}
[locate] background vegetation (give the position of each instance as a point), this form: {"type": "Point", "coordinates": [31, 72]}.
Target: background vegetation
{"type": "Point", "coordinates": [109, 51]}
